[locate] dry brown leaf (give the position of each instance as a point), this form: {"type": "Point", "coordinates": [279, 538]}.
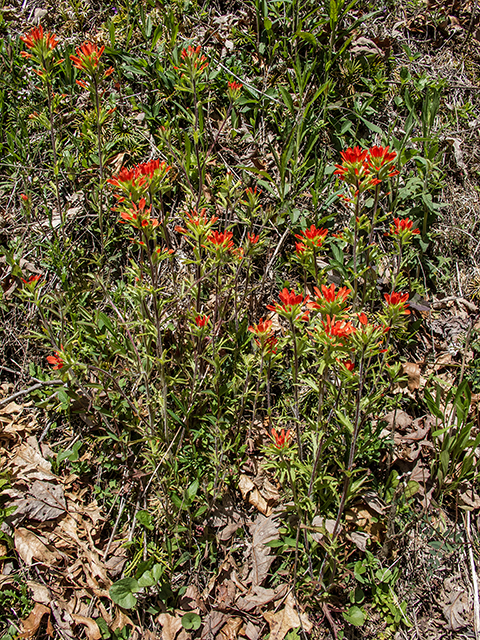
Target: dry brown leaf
{"type": "Point", "coordinates": [252, 632]}
{"type": "Point", "coordinates": [28, 463]}
{"type": "Point", "coordinates": [412, 371]}
{"type": "Point", "coordinates": [41, 501]}
{"type": "Point", "coordinates": [364, 519]}
{"type": "Point", "coordinates": [286, 619]}
{"type": "Point", "coordinates": [231, 629]}
{"type": "Point", "coordinates": [325, 527]}
{"type": "Point", "coordinates": [455, 610]}
{"type": "Point", "coordinates": [263, 531]}
{"type": "Point", "coordinates": [29, 546]}
{"type": "Point", "coordinates": [171, 625]}
{"type": "Point", "coordinates": [120, 621]}
{"type": "Point", "coordinates": [250, 491]}
{"type": "Point", "coordinates": [12, 407]}
{"type": "Point", "coordinates": [360, 539]}
{"type": "Point", "coordinates": [32, 623]}
{"type": "Point", "coordinates": [468, 497]}
{"type": "Point", "coordinates": [91, 627]}
{"type": "Point", "coordinates": [191, 599]}
{"type": "Point", "coordinates": [260, 597]}
{"type": "Point", "coordinates": [40, 593]}
{"type": "Point", "coordinates": [397, 420]}
{"type": "Point", "coordinates": [212, 624]}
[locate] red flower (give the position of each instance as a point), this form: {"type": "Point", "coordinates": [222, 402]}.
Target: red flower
{"type": "Point", "coordinates": [403, 227]}
{"type": "Point", "coordinates": [234, 90]}
{"type": "Point", "coordinates": [24, 197]}
{"type": "Point", "coordinates": [88, 57]}
{"type": "Point", "coordinates": [56, 360]}
{"type": "Point", "coordinates": [328, 293]}
{"type": "Point", "coordinates": [300, 248]}
{"type": "Point", "coordinates": [31, 280]}
{"type": "Point", "coordinates": [37, 37]}
{"type": "Point", "coordinates": [264, 327]}
{"type": "Point", "coordinates": [202, 321]}
{"type": "Point", "coordinates": [379, 156]}
{"type": "Point", "coordinates": [281, 440]}
{"type": "Point", "coordinates": [362, 318]}
{"type": "Point", "coordinates": [313, 237]}
{"type": "Point", "coordinates": [290, 301]}
{"type": "Point", "coordinates": [353, 160]}
{"type": "Point", "coordinates": [252, 238]}
{"type": "Point", "coordinates": [221, 240]}
{"type": "Point", "coordinates": [138, 181]}
{"type": "Point", "coordinates": [348, 364]}
{"type": "Point", "coordinates": [339, 328]}
{"type": "Point", "coordinates": [397, 299]}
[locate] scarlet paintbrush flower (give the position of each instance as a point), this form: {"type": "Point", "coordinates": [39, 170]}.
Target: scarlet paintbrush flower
{"type": "Point", "coordinates": [312, 237]}
{"type": "Point", "coordinates": [291, 303]}
{"type": "Point", "coordinates": [201, 321]}
{"type": "Point", "coordinates": [348, 364]}
{"type": "Point", "coordinates": [142, 180]}
{"type": "Point", "coordinates": [221, 240]}
{"type": "Point", "coordinates": [24, 197]}
{"type": "Point", "coordinates": [264, 327]}
{"type": "Point", "coordinates": [300, 248]}
{"type": "Point", "coordinates": [252, 238]}
{"type": "Point", "coordinates": [328, 301]}
{"type": "Point", "coordinates": [31, 280]}
{"type": "Point", "coordinates": [234, 90]}
{"type": "Point", "coordinates": [193, 63]}
{"type": "Point", "coordinates": [281, 439]}
{"type": "Point", "coordinates": [56, 360]}
{"type": "Point", "coordinates": [37, 39]}
{"type": "Point", "coordinates": [339, 328]}
{"type": "Point", "coordinates": [379, 156]}
{"type": "Point", "coordinates": [253, 196]}
{"type": "Point", "coordinates": [403, 227]}
{"type": "Point", "coordinates": [329, 294]}
{"type": "Point", "coordinates": [88, 57]}
{"type": "Point", "coordinates": [397, 300]}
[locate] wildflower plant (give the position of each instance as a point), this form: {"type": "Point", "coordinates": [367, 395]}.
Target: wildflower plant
{"type": "Point", "coordinates": [214, 336]}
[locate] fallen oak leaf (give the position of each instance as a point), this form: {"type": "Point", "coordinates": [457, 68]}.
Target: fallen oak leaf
{"type": "Point", "coordinates": [264, 530]}
{"type": "Point", "coordinates": [91, 627]}
{"type": "Point", "coordinates": [281, 622]}
{"type": "Point", "coordinates": [29, 546]}
{"type": "Point", "coordinates": [171, 625]}
{"type": "Point", "coordinates": [32, 623]}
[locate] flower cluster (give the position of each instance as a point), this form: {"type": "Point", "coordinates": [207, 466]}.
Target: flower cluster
{"type": "Point", "coordinates": [234, 90]}
{"type": "Point", "coordinates": [290, 305]}
{"type": "Point", "coordinates": [138, 216]}
{"type": "Point", "coordinates": [401, 230]}
{"type": "Point", "coordinates": [265, 337]}
{"type": "Point", "coordinates": [281, 439]}
{"type": "Point", "coordinates": [197, 224]}
{"type": "Point", "coordinates": [56, 360]}
{"type": "Point", "coordinates": [193, 64]}
{"type": "Point", "coordinates": [41, 45]}
{"type": "Point", "coordinates": [88, 60]}
{"type": "Point", "coordinates": [365, 168]}
{"type": "Point", "coordinates": [311, 239]}
{"type": "Point", "coordinates": [328, 301]}
{"type": "Point", "coordinates": [142, 181]}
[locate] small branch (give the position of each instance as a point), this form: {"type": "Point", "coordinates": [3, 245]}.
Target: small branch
{"type": "Point", "coordinates": [476, 600]}
{"type": "Point", "coordinates": [22, 392]}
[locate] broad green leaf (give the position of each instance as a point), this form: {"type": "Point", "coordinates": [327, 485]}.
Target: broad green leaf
{"type": "Point", "coordinates": [122, 592]}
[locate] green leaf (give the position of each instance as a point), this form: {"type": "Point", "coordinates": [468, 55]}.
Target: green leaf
{"type": "Point", "coordinates": [192, 490]}
{"type": "Point", "coordinates": [355, 616]}
{"type": "Point", "coordinates": [191, 621]}
{"type": "Point", "coordinates": [122, 592]}
{"type": "Point", "coordinates": [145, 519]}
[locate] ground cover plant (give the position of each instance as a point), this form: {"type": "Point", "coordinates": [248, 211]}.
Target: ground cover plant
{"type": "Point", "coordinates": [240, 383]}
